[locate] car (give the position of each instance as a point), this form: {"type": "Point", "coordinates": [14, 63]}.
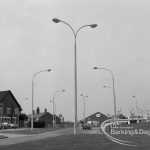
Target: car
{"type": "Point", "coordinates": [86, 127]}
{"type": "Point", "coordinates": [13, 126]}
{"type": "Point", "coordinates": [6, 125]}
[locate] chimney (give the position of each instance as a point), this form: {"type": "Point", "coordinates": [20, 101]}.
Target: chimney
{"type": "Point", "coordinates": [60, 116]}
{"type": "Point", "coordinates": [33, 112]}
{"type": "Point", "coordinates": [38, 110]}
{"type": "Point", "coordinates": [45, 110]}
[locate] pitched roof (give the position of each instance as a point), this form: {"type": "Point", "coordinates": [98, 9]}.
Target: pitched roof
{"type": "Point", "coordinates": [40, 115]}
{"type": "Point", "coordinates": [95, 115]}
{"type": "Point", "coordinates": [4, 93]}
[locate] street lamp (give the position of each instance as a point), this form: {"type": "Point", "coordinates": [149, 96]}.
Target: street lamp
{"type": "Point", "coordinates": [84, 105]}
{"type": "Point", "coordinates": [136, 105]}
{"type": "Point", "coordinates": [55, 20]}
{"type": "Point", "coordinates": [54, 111]}
{"type": "Point", "coordinates": [48, 70]}
{"type": "Point", "coordinates": [104, 86]}
{"type": "Point", "coordinates": [147, 112]}
{"type": "Point", "coordinates": [22, 100]}
{"type": "Point", "coordinates": [113, 88]}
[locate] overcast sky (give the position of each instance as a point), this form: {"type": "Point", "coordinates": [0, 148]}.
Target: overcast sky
{"type": "Point", "coordinates": [31, 42]}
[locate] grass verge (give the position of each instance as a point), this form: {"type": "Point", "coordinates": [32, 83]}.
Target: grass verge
{"type": "Point", "coordinates": [28, 130]}
{"type": "Point", "coordinates": [74, 142]}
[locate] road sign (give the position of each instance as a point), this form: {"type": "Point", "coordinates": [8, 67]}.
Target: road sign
{"type": "Point", "coordinates": [98, 115]}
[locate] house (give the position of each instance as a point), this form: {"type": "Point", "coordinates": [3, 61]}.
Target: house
{"type": "Point", "coordinates": [44, 116]}
{"type": "Point", "coordinates": [96, 119]}
{"type": "Point", "coordinates": [9, 108]}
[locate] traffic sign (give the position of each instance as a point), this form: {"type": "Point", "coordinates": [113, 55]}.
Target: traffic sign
{"type": "Point", "coordinates": [98, 115]}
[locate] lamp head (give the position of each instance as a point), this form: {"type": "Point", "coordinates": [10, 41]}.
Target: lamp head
{"type": "Point", "coordinates": [83, 95]}
{"type": "Point", "coordinates": [55, 20]}
{"type": "Point", "coordinates": [49, 70]}
{"type": "Point", "coordinates": [95, 68]}
{"type": "Point", "coordinates": [93, 25]}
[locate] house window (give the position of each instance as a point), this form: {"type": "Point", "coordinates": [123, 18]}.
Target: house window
{"type": "Point", "coordinates": [8, 111]}
{"type": "Point", "coordinates": [16, 111]}
{"type": "Point", "coordinates": [1, 110]}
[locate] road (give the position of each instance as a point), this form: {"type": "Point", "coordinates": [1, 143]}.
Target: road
{"type": "Point", "coordinates": [15, 138]}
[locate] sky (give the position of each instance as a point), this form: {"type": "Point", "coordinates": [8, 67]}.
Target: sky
{"type": "Point", "coordinates": [31, 42]}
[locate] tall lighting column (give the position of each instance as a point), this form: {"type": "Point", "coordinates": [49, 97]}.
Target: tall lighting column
{"type": "Point", "coordinates": [113, 88]}
{"type": "Point", "coordinates": [33, 93]}
{"type": "Point", "coordinates": [136, 105]}
{"type": "Point", "coordinates": [55, 20]}
{"type": "Point", "coordinates": [84, 105]}
{"type": "Point", "coordinates": [22, 100]}
{"type": "Point", "coordinates": [54, 112]}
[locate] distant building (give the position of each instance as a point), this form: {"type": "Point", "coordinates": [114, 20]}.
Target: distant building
{"type": "Point", "coordinates": [121, 116]}
{"type": "Point", "coordinates": [44, 116]}
{"type": "Point", "coordinates": [96, 119]}
{"type": "Point", "coordinates": [23, 119]}
{"type": "Point", "coordinates": [10, 109]}
{"type": "Point", "coordinates": [118, 116]}
{"type": "Point", "coordinates": [135, 119]}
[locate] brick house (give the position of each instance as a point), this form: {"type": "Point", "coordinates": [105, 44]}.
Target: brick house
{"type": "Point", "coordinates": [9, 108]}
{"type": "Point", "coordinates": [96, 119]}
{"type": "Point", "coordinates": [44, 116]}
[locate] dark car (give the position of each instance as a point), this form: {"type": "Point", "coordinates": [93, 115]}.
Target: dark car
{"type": "Point", "coordinates": [86, 127]}
{"type": "Point", "coordinates": [6, 125]}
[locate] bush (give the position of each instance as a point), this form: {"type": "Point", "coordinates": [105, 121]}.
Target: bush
{"type": "Point", "coordinates": [37, 124]}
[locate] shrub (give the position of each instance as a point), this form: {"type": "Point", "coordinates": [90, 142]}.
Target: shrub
{"type": "Point", "coordinates": [37, 124]}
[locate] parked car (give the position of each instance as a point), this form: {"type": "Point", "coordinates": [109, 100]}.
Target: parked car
{"type": "Point", "coordinates": [86, 127]}
{"type": "Point", "coordinates": [6, 125]}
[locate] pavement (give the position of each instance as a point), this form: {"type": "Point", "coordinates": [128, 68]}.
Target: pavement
{"type": "Point", "coordinates": [17, 138]}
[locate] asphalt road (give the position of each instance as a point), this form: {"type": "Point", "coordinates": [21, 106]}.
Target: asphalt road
{"type": "Point", "coordinates": [15, 138]}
